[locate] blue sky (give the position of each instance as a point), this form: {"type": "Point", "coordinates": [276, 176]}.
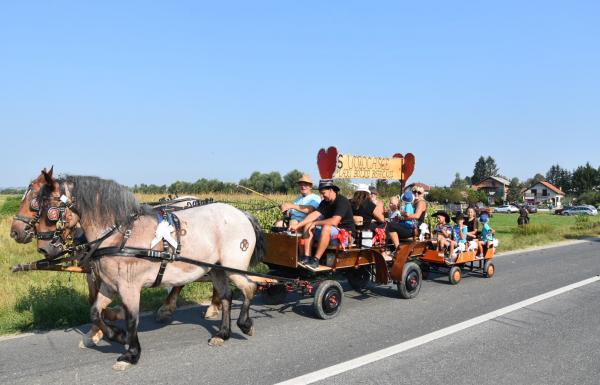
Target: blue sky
{"type": "Point", "coordinates": [155, 93]}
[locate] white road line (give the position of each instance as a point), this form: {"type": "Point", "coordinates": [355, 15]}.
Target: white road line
{"type": "Point", "coordinates": [404, 346]}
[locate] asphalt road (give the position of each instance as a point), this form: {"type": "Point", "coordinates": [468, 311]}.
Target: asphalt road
{"type": "Point", "coordinates": [554, 341]}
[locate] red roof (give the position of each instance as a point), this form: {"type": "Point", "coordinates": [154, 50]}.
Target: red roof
{"type": "Point", "coordinates": [552, 187]}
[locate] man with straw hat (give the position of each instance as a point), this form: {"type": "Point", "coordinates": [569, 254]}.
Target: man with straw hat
{"type": "Point", "coordinates": [305, 204]}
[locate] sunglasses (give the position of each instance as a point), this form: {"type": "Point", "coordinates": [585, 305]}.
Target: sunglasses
{"type": "Point", "coordinates": [417, 192]}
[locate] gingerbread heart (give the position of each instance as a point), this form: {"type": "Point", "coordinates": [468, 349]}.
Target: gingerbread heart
{"type": "Point", "coordinates": [326, 162]}
{"type": "Point", "coordinates": [408, 166]}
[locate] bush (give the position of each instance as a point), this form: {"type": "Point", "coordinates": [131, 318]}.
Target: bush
{"type": "Point", "coordinates": [533, 229]}
{"type": "Point", "coordinates": [11, 205]}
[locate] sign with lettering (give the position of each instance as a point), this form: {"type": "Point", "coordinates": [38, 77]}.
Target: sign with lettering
{"type": "Point", "coordinates": [368, 167]}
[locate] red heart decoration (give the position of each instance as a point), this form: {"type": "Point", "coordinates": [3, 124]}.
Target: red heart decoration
{"type": "Point", "coordinates": [326, 162]}
{"type": "Point", "coordinates": [408, 166]}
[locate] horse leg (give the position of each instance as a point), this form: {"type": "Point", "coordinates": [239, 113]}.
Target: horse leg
{"type": "Point", "coordinates": [95, 334]}
{"type": "Point", "coordinates": [165, 312]}
{"type": "Point", "coordinates": [131, 304]}
{"type": "Point", "coordinates": [215, 305]}
{"type": "Point", "coordinates": [221, 286]}
{"type": "Point", "coordinates": [104, 297]}
{"type": "Point", "coordinates": [248, 288]}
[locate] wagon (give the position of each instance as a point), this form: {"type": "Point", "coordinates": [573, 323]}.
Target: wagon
{"type": "Point", "coordinates": [432, 260]}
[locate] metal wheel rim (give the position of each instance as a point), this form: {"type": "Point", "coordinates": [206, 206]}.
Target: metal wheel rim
{"type": "Point", "coordinates": [331, 301]}
{"type": "Point", "coordinates": [412, 281]}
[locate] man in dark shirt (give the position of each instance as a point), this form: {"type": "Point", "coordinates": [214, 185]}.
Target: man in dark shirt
{"type": "Point", "coordinates": [324, 224]}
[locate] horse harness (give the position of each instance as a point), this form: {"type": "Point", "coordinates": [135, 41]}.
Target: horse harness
{"type": "Point", "coordinates": [53, 214]}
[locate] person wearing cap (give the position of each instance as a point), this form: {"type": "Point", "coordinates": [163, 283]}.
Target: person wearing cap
{"type": "Point", "coordinates": [459, 234]}
{"type": "Point", "coordinates": [305, 204]}
{"type": "Point", "coordinates": [442, 231]}
{"type": "Point", "coordinates": [363, 206]}
{"type": "Point", "coordinates": [324, 224]}
{"type": "Point", "coordinates": [397, 231]}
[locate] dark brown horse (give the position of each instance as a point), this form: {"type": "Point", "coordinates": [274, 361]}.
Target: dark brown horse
{"type": "Point", "coordinates": [215, 233]}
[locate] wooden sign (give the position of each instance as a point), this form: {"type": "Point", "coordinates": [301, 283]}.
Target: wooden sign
{"type": "Point", "coordinates": [368, 167]}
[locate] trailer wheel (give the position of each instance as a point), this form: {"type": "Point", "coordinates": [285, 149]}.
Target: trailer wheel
{"type": "Point", "coordinates": [488, 269]}
{"type": "Point", "coordinates": [410, 285]}
{"type": "Point", "coordinates": [328, 299]}
{"type": "Point", "coordinates": [454, 275]}
{"type": "Point", "coordinates": [275, 294]}
{"type": "Point", "coordinates": [359, 278]}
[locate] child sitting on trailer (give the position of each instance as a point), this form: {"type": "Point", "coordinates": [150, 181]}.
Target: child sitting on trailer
{"type": "Point", "coordinates": [442, 231]}
{"type": "Point", "coordinates": [394, 214]}
{"type": "Point", "coordinates": [459, 234]}
{"type": "Point", "coordinates": [408, 209]}
{"type": "Point", "coordinates": [487, 236]}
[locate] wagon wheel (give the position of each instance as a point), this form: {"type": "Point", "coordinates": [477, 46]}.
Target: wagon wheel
{"type": "Point", "coordinates": [359, 278]}
{"type": "Point", "coordinates": [275, 294]}
{"type": "Point", "coordinates": [454, 275]}
{"type": "Point", "coordinates": [488, 269]}
{"type": "Point", "coordinates": [410, 284]}
{"type": "Point", "coordinates": [328, 299]}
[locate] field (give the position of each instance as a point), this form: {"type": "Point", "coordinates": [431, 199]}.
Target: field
{"type": "Point", "coordinates": [45, 300]}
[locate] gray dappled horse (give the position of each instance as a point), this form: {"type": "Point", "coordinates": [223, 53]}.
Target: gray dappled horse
{"type": "Point", "coordinates": [215, 233]}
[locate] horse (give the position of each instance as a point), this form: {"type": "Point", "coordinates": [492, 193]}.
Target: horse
{"type": "Point", "coordinates": [110, 215]}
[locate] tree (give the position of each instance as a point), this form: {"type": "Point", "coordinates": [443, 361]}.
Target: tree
{"type": "Point", "coordinates": [559, 177]}
{"type": "Point", "coordinates": [290, 181]}
{"type": "Point", "coordinates": [585, 178]}
{"type": "Point", "coordinates": [458, 182]}
{"type": "Point", "coordinates": [479, 171]}
{"type": "Point", "coordinates": [491, 169]}
{"type": "Point", "coordinates": [514, 191]}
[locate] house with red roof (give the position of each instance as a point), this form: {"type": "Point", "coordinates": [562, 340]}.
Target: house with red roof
{"type": "Point", "coordinates": [494, 187]}
{"type": "Point", "coordinates": [543, 192]}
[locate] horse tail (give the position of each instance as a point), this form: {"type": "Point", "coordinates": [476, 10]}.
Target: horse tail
{"type": "Point", "coordinates": [260, 248]}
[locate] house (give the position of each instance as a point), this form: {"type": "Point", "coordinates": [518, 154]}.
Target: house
{"type": "Point", "coordinates": [544, 192]}
{"type": "Point", "coordinates": [494, 187]}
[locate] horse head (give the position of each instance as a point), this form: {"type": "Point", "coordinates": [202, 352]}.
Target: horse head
{"type": "Point", "coordinates": [57, 218]}
{"type": "Point", "coordinates": [24, 223]}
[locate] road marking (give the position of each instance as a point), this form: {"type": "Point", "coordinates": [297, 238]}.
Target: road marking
{"type": "Point", "coordinates": [404, 346]}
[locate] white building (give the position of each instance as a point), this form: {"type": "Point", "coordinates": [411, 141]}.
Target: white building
{"type": "Point", "coordinates": [544, 192]}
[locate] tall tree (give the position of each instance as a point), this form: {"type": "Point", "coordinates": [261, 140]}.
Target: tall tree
{"type": "Point", "coordinates": [514, 191]}
{"type": "Point", "coordinates": [491, 169]}
{"type": "Point", "coordinates": [479, 172]}
{"type": "Point", "coordinates": [585, 178]}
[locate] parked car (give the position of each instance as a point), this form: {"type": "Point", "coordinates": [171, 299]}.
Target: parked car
{"type": "Point", "coordinates": [560, 211]}
{"type": "Point", "coordinates": [580, 210]}
{"type": "Point", "coordinates": [531, 209]}
{"type": "Point", "coordinates": [506, 209]}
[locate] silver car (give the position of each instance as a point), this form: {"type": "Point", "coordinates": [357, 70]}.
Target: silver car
{"type": "Point", "coordinates": [580, 210]}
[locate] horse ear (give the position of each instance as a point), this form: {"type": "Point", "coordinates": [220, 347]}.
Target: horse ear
{"type": "Point", "coordinates": [48, 175]}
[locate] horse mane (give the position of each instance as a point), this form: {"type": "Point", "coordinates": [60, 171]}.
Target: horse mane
{"type": "Point", "coordinates": [103, 201]}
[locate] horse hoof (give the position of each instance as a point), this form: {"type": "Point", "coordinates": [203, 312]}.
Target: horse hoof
{"type": "Point", "coordinates": [164, 315]}
{"type": "Point", "coordinates": [211, 312]}
{"type": "Point", "coordinates": [250, 332]}
{"type": "Point", "coordinates": [216, 341]}
{"type": "Point", "coordinates": [88, 342]}
{"type": "Point", "coordinates": [121, 366]}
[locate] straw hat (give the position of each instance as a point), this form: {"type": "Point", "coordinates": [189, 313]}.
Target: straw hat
{"type": "Point", "coordinates": [306, 179]}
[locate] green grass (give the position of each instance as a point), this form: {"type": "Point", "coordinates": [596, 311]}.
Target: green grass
{"type": "Point", "coordinates": [47, 300]}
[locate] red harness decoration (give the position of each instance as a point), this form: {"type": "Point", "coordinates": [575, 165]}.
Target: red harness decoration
{"type": "Point", "coordinates": [342, 236]}
{"type": "Point", "coordinates": [379, 237]}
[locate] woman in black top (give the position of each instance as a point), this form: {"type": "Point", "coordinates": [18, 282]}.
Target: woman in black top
{"type": "Point", "coordinates": [472, 224]}
{"type": "Point", "coordinates": [363, 206]}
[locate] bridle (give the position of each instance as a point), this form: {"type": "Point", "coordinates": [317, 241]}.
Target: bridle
{"type": "Point", "coordinates": [54, 214]}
